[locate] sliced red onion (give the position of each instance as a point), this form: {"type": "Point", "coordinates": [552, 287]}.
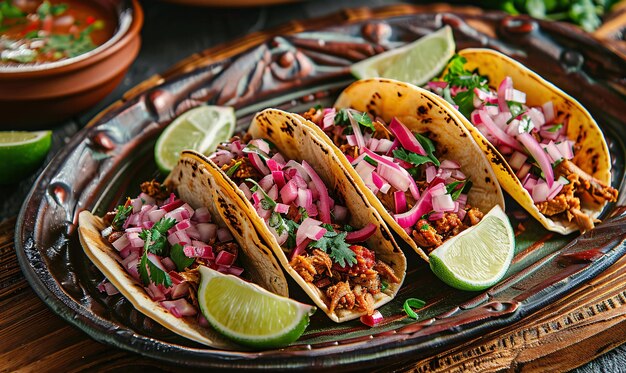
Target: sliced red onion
{"type": "Point", "coordinates": [289, 192]}
{"type": "Point", "coordinates": [452, 165]}
{"type": "Point", "coordinates": [517, 160]}
{"type": "Point", "coordinates": [505, 85]}
{"type": "Point", "coordinates": [406, 137]}
{"type": "Point", "coordinates": [324, 198]}
{"type": "Point", "coordinates": [273, 165]}
{"type": "Point", "coordinates": [172, 205]}
{"type": "Point", "coordinates": [155, 293]}
{"type": "Point", "coordinates": [224, 258]}
{"type": "Point", "coordinates": [514, 95]}
{"type": "Point", "coordinates": [565, 149]}
{"type": "Point", "coordinates": [261, 144]}
{"type": "Point", "coordinates": [443, 203]}
{"type": "Point", "coordinates": [540, 156]}
{"type": "Point", "coordinates": [207, 231]}
{"type": "Point", "coordinates": [179, 290]}
{"type": "Point", "coordinates": [281, 208]}
{"type": "Point", "coordinates": [279, 178]}
{"type": "Point", "coordinates": [305, 227]}
{"type": "Point", "coordinates": [351, 139]}
{"type": "Point", "coordinates": [553, 151]}
{"type": "Point", "coordinates": [556, 188]}
{"type": "Point", "coordinates": [179, 237]}
{"type": "Point", "coordinates": [257, 163]}
{"type": "Point", "coordinates": [121, 242]}
{"type": "Point", "coordinates": [179, 308]}
{"type": "Point", "coordinates": [431, 172]}
{"type": "Point", "coordinates": [305, 199]}
{"type": "Point", "coordinates": [421, 207]}
{"type": "Point", "coordinates": [199, 251]}
{"type": "Point", "coordinates": [230, 270]}
{"type": "Point", "coordinates": [548, 111]}
{"type": "Point", "coordinates": [524, 171]}
{"type": "Point", "coordinates": [537, 117]}
{"type": "Point", "coordinates": [399, 202]}
{"type": "Point", "coordinates": [266, 182]}
{"type": "Point", "coordinates": [202, 215]}
{"type": "Point", "coordinates": [246, 190]}
{"type": "Point", "coordinates": [436, 216]}
{"type": "Point", "coordinates": [497, 132]}
{"type": "Point", "coordinates": [365, 171]}
{"type": "Point", "coordinates": [223, 235]}
{"type": "Point", "coordinates": [328, 119]}
{"type": "Point", "coordinates": [529, 185]}
{"type": "Point", "coordinates": [540, 191]}
{"type": "Point", "coordinates": [362, 234]}
{"type": "Point", "coordinates": [383, 146]}
{"type": "Point", "coordinates": [273, 193]}
{"type": "Point", "coordinates": [360, 141]}
{"type": "Point", "coordinates": [437, 84]}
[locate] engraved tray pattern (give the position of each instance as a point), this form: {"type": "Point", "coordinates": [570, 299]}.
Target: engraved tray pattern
{"type": "Point", "coordinates": [293, 68]}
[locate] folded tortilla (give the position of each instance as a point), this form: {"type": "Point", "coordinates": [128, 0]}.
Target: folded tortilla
{"type": "Point", "coordinates": [294, 140]}
{"type": "Point", "coordinates": [592, 153]}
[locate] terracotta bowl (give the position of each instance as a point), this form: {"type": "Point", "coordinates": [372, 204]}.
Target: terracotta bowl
{"type": "Point", "coordinates": [36, 96]}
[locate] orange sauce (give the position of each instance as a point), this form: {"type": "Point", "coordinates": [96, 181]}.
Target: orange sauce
{"type": "Point", "coordinates": [36, 31]}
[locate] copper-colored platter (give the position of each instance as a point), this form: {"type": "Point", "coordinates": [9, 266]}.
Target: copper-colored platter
{"type": "Point", "coordinates": [289, 68]}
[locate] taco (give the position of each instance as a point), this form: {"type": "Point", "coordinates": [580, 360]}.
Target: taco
{"type": "Point", "coordinates": [547, 151]}
{"type": "Point", "coordinates": [416, 163]}
{"type": "Point", "coordinates": [151, 247]}
{"type": "Point", "coordinates": [305, 204]}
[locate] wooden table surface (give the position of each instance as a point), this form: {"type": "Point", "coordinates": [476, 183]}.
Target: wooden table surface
{"type": "Point", "coordinates": [585, 329]}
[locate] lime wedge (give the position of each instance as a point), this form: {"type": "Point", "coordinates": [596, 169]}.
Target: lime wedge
{"type": "Point", "coordinates": [22, 153]}
{"type": "Point", "coordinates": [478, 257]}
{"type": "Point", "coordinates": [201, 129]}
{"type": "Point", "coordinates": [248, 313]}
{"type": "Point", "coordinates": [415, 63]}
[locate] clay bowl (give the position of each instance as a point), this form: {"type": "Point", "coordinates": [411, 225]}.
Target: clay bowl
{"type": "Point", "coordinates": [37, 96]}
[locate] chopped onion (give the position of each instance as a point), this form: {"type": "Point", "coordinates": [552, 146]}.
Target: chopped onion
{"type": "Point", "coordinates": [548, 111]}
{"type": "Point", "coordinates": [361, 234]}
{"type": "Point", "coordinates": [517, 160]}
{"type": "Point", "coordinates": [179, 307]}
{"type": "Point", "coordinates": [540, 156]}
{"type": "Point", "coordinates": [406, 137]}
{"type": "Point", "coordinates": [498, 132]}
{"type": "Point", "coordinates": [289, 192]}
{"type": "Point", "coordinates": [305, 228]}
{"type": "Point", "coordinates": [258, 163]}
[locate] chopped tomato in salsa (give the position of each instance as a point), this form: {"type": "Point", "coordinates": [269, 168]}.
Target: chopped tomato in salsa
{"type": "Point", "coordinates": [35, 31]}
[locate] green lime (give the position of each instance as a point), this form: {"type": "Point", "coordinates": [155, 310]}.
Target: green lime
{"type": "Point", "coordinates": [22, 153]}
{"type": "Point", "coordinates": [248, 313]}
{"type": "Point", "coordinates": [415, 63]}
{"type": "Point", "coordinates": [478, 257]}
{"type": "Point", "coordinates": [201, 129]}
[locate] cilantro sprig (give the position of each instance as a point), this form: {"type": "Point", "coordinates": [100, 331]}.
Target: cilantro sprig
{"type": "Point", "coordinates": [458, 76]}
{"type": "Point", "coordinates": [335, 245]}
{"type": "Point", "coordinates": [155, 242]}
{"type": "Point", "coordinates": [123, 212]}
{"type": "Point", "coordinates": [182, 261]}
{"type": "Point", "coordinates": [342, 118]}
{"type": "Point", "coordinates": [417, 159]}
{"type": "Point", "coordinates": [455, 188]}
{"type": "Point", "coordinates": [267, 202]}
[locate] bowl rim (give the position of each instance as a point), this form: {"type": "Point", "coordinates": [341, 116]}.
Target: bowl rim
{"type": "Point", "coordinates": [131, 19]}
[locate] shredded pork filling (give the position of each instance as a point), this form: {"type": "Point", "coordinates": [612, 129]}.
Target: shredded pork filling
{"type": "Point", "coordinates": [567, 203]}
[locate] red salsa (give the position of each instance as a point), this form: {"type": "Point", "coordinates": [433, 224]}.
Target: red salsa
{"type": "Point", "coordinates": [35, 31]}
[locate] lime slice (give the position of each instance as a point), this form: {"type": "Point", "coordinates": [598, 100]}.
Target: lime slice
{"type": "Point", "coordinates": [201, 129]}
{"type": "Point", "coordinates": [415, 63]}
{"type": "Point", "coordinates": [248, 313]}
{"type": "Point", "coordinates": [22, 153]}
{"type": "Point", "coordinates": [478, 257]}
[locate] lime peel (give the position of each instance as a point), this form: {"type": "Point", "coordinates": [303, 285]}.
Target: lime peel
{"type": "Point", "coordinates": [249, 314]}
{"type": "Point", "coordinates": [478, 257]}
{"type": "Point", "coordinates": [416, 63]}
{"type": "Point", "coordinates": [22, 153]}
{"type": "Point", "coordinates": [201, 129]}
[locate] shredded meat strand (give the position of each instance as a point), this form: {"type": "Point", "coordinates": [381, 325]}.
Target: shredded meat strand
{"type": "Point", "coordinates": [155, 190]}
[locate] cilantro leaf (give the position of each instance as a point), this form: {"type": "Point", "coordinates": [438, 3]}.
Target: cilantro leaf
{"type": "Point", "coordinates": [458, 76]}
{"type": "Point", "coordinates": [8, 10]}
{"type": "Point", "coordinates": [179, 258]}
{"type": "Point", "coordinates": [417, 159]}
{"type": "Point", "coordinates": [231, 171]}
{"type": "Point", "coordinates": [123, 212]}
{"type": "Point", "coordinates": [155, 239]}
{"type": "Point", "coordinates": [412, 158]}
{"type": "Point", "coordinates": [341, 118]}
{"type": "Point", "coordinates": [337, 248]}
{"type": "Point", "coordinates": [292, 227]}
{"type": "Point", "coordinates": [256, 150]}
{"type": "Point", "coordinates": [362, 119]}
{"type": "Point", "coordinates": [149, 272]}
{"type": "Point", "coordinates": [267, 202]}
{"type": "Point", "coordinates": [455, 189]}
